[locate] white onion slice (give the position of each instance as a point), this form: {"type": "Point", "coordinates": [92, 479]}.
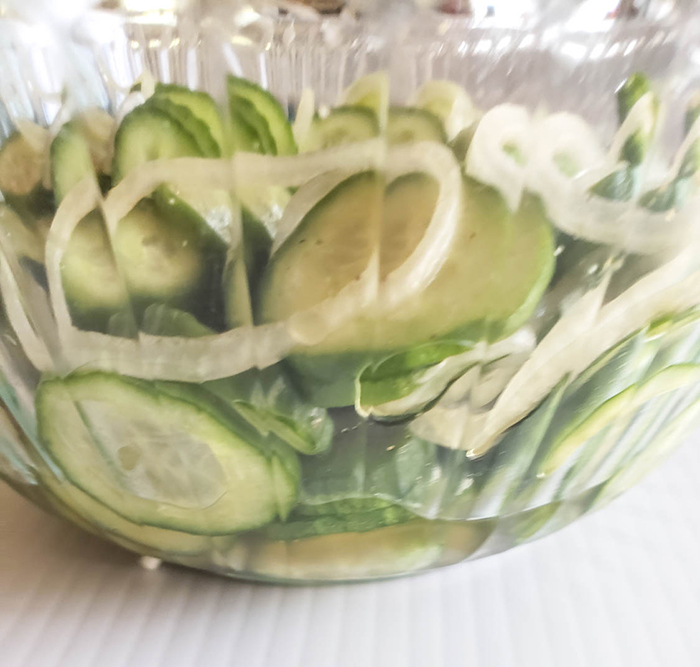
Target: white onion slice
{"type": "Point", "coordinates": [488, 162]}
{"type": "Point", "coordinates": [582, 335]}
{"type": "Point", "coordinates": [304, 117]}
{"type": "Point", "coordinates": [429, 255]}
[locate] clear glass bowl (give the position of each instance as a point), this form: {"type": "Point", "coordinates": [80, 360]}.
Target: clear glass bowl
{"type": "Point", "coordinates": [371, 324]}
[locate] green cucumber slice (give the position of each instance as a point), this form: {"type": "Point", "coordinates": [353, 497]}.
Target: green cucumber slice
{"type": "Point", "coordinates": [409, 202]}
{"type": "Point", "coordinates": [71, 160]}
{"type": "Point", "coordinates": [93, 286]}
{"type": "Point", "coordinates": [268, 108]}
{"type": "Point", "coordinates": [208, 146]}
{"type": "Point", "coordinates": [263, 398]}
{"type": "Point", "coordinates": [158, 540]}
{"type": "Point", "coordinates": [267, 401]}
{"type": "Point", "coordinates": [408, 125]}
{"type": "Point", "coordinates": [146, 134]}
{"type": "Point", "coordinates": [157, 459]}
{"type": "Point", "coordinates": [343, 125]}
{"type": "Point", "coordinates": [340, 232]}
{"type": "Point", "coordinates": [169, 260]}
{"type": "Point", "coordinates": [161, 320]}
{"type": "Point", "coordinates": [210, 212]}
{"type": "Point", "coordinates": [252, 131]}
{"type": "Point", "coordinates": [497, 269]}
{"type": "Point", "coordinates": [296, 528]}
{"type": "Point", "coordinates": [409, 546]}
{"type": "Point", "coordinates": [620, 405]}
{"type": "Point", "coordinates": [342, 507]}
{"type": "Point", "coordinates": [201, 105]}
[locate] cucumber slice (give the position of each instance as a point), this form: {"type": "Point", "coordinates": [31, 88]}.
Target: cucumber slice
{"type": "Point", "coordinates": [159, 540]}
{"type": "Point", "coordinates": [342, 507]}
{"type": "Point", "coordinates": [513, 456]}
{"type": "Point", "coordinates": [409, 202]}
{"type": "Point", "coordinates": [266, 106]}
{"type": "Point", "coordinates": [252, 131]}
{"type": "Point", "coordinates": [210, 212]}
{"type": "Point", "coordinates": [331, 247]}
{"type": "Point", "coordinates": [265, 399]}
{"type": "Point", "coordinates": [201, 105]}
{"type": "Point", "coordinates": [146, 134]}
{"type": "Point", "coordinates": [450, 103]}
{"type": "Point", "coordinates": [371, 91]}
{"type": "Point", "coordinates": [21, 167]}
{"type": "Point", "coordinates": [161, 320]}
{"type": "Point", "coordinates": [71, 160]}
{"type": "Point", "coordinates": [650, 457]}
{"type": "Point", "coordinates": [396, 549]}
{"type": "Point", "coordinates": [296, 528]}
{"type": "Point", "coordinates": [169, 261]}
{"type": "Point", "coordinates": [154, 458]}
{"type": "Point", "coordinates": [617, 407]}
{"type": "Point", "coordinates": [497, 269]}
{"type": "Point", "coordinates": [93, 287]}
{"type": "Point", "coordinates": [408, 125]}
{"type": "Point", "coordinates": [343, 125]}
{"type": "Point", "coordinates": [208, 146]}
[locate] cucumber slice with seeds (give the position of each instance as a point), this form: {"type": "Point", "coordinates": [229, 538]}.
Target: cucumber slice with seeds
{"type": "Point", "coordinates": [155, 458]}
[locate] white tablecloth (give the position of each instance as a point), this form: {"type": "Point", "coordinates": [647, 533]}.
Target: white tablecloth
{"type": "Point", "coordinates": [620, 587]}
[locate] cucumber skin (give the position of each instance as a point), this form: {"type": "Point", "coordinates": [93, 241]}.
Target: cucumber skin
{"type": "Point", "coordinates": [194, 399]}
{"type": "Point", "coordinates": [269, 108]}
{"type": "Point", "coordinates": [188, 145]}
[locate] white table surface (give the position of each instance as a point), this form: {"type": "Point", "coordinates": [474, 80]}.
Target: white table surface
{"type": "Point", "coordinates": [620, 587]}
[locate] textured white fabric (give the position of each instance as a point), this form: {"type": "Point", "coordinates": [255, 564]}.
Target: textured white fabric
{"type": "Point", "coordinates": [618, 588]}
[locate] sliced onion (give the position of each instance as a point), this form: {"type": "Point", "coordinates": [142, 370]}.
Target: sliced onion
{"type": "Point", "coordinates": [374, 84]}
{"type": "Point", "coordinates": [304, 116]}
{"type": "Point", "coordinates": [140, 182]}
{"type": "Point", "coordinates": [583, 334]}
{"type": "Point", "coordinates": [253, 170]}
{"type": "Point", "coordinates": [570, 204]}
{"type": "Point", "coordinates": [487, 160]}
{"type": "Point", "coordinates": [429, 255]}
{"type": "Point", "coordinates": [640, 117]}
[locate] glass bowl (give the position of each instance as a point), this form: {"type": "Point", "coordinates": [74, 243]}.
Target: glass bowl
{"type": "Point", "coordinates": [225, 344]}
